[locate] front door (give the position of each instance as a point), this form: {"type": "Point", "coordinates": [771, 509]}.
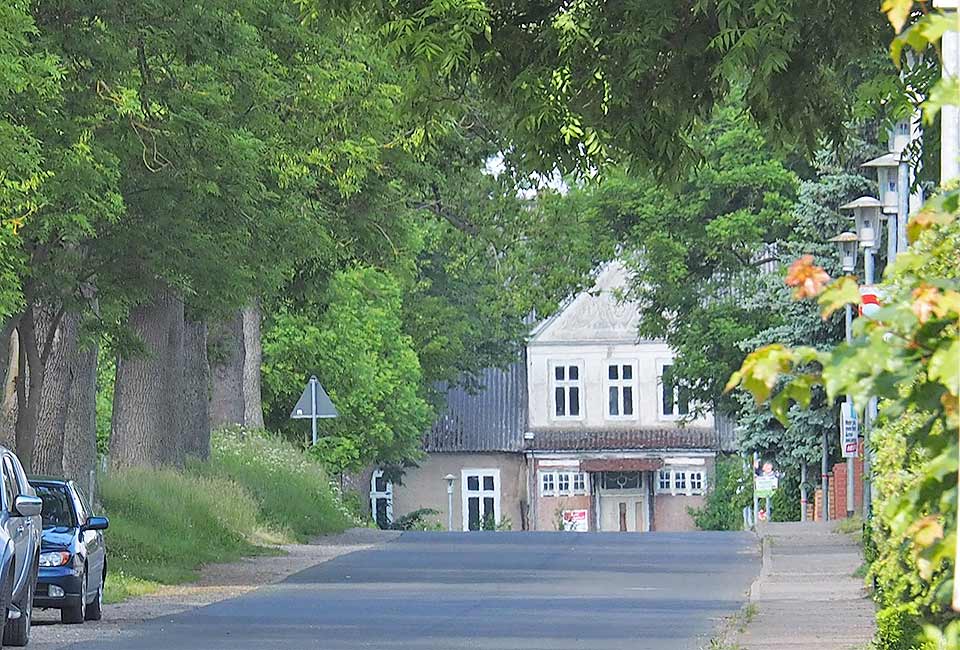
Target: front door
{"type": "Point", "coordinates": [381, 499]}
{"type": "Point", "coordinates": [480, 492]}
{"type": "Point", "coordinates": [623, 502]}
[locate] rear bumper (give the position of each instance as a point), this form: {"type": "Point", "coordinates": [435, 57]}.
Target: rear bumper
{"type": "Point", "coordinates": [65, 578]}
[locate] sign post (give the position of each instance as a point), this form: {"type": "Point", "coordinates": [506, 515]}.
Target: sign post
{"type": "Point", "coordinates": [314, 404]}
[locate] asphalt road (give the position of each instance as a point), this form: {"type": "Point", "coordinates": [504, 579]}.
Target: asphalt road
{"type": "Point", "coordinates": [495, 591]}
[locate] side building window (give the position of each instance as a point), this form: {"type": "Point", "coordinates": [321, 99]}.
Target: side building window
{"type": "Point", "coordinates": [682, 480]}
{"type": "Point", "coordinates": [621, 390]}
{"type": "Point", "coordinates": [674, 399]}
{"type": "Point", "coordinates": [562, 483]}
{"type": "Point", "coordinates": [567, 389]}
{"type": "Point", "coordinates": [381, 499]}
{"type": "Point", "coordinates": [480, 498]}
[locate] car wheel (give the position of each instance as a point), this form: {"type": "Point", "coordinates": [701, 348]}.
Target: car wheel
{"type": "Point", "coordinates": [76, 613]}
{"type": "Point", "coordinates": [16, 632]}
{"type": "Point", "coordinates": [95, 609]}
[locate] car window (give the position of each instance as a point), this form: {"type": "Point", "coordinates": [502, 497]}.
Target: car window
{"type": "Point", "coordinates": [57, 511]}
{"type": "Point", "coordinates": [10, 488]}
{"type": "Point", "coordinates": [83, 510]}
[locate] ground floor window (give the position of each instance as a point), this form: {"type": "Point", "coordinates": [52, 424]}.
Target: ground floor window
{"type": "Point", "coordinates": [480, 492]}
{"type": "Point", "coordinates": [622, 480]}
{"type": "Point", "coordinates": [681, 480]}
{"type": "Point", "coordinates": [562, 483]}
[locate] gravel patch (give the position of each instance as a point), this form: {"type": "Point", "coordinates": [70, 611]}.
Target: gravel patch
{"type": "Point", "coordinates": [217, 582]}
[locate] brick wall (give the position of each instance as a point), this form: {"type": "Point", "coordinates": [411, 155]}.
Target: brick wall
{"type": "Point", "coordinates": [838, 491]}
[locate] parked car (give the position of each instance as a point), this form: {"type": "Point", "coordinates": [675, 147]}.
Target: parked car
{"type": "Point", "coordinates": [73, 558]}
{"type": "Point", "coordinates": [20, 543]}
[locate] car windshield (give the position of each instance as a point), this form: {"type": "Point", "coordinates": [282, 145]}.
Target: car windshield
{"type": "Point", "coordinates": [57, 511]}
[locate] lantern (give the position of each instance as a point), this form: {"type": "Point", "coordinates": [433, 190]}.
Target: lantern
{"type": "Point", "coordinates": [847, 242]}
{"type": "Point", "coordinates": [866, 215]}
{"type": "Point", "coordinates": [887, 166]}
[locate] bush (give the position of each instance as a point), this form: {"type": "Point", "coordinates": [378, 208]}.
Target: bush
{"type": "Point", "coordinates": [729, 493]}
{"type": "Point", "coordinates": [898, 628]}
{"type": "Point", "coordinates": [293, 492]}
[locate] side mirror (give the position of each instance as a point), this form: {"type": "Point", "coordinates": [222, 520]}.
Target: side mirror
{"type": "Point", "coordinates": [96, 523]}
{"type": "Point", "coordinates": [27, 506]}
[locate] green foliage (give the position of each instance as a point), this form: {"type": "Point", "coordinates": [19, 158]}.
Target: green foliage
{"type": "Point", "coordinates": [358, 350]}
{"type": "Point", "coordinates": [420, 519]}
{"type": "Point", "coordinates": [255, 490]}
{"type": "Point", "coordinates": [898, 628]}
{"type": "Point", "coordinates": [730, 493]}
{"type": "Point", "coordinates": [293, 493]}
{"type": "Point", "coordinates": [164, 524]}
{"type": "Point", "coordinates": [585, 82]}
{"type": "Point", "coordinates": [785, 502]}
{"type": "Point", "coordinates": [696, 248]}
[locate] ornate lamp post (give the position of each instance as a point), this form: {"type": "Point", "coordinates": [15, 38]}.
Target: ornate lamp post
{"type": "Point", "coordinates": [866, 216]}
{"type": "Point", "coordinates": [848, 243]}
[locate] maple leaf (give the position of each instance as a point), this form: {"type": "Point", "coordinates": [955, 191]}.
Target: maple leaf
{"type": "Point", "coordinates": [806, 278]}
{"type": "Point", "coordinates": [925, 299]}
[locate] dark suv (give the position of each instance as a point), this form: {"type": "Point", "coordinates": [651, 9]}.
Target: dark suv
{"type": "Point", "coordinates": [20, 543]}
{"type": "Point", "coordinates": [73, 558]}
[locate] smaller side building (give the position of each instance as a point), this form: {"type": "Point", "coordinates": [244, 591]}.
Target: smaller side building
{"type": "Point", "coordinates": [478, 440]}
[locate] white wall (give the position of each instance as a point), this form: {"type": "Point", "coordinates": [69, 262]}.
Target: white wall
{"type": "Point", "coordinates": [593, 360]}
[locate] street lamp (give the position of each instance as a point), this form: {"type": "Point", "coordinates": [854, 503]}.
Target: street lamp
{"type": "Point", "coordinates": [450, 478]}
{"type": "Point", "coordinates": [847, 243]}
{"type": "Point", "coordinates": [866, 215]}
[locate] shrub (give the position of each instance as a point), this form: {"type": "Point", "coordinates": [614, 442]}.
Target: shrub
{"type": "Point", "coordinates": [293, 492]}
{"type": "Point", "coordinates": [729, 493]}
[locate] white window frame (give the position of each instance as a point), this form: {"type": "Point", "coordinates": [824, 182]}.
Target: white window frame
{"type": "Point", "coordinates": [661, 364]}
{"type": "Point", "coordinates": [377, 494]}
{"type": "Point", "coordinates": [466, 493]}
{"type": "Point", "coordinates": [571, 477]}
{"type": "Point", "coordinates": [583, 483]}
{"type": "Point", "coordinates": [620, 384]}
{"type": "Point", "coordinates": [566, 383]}
{"type": "Point", "coordinates": [688, 472]}
{"type": "Point", "coordinates": [552, 476]}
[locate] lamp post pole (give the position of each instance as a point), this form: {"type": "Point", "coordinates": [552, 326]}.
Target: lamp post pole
{"type": "Point", "coordinates": [449, 478]}
{"type": "Point", "coordinates": [868, 264]}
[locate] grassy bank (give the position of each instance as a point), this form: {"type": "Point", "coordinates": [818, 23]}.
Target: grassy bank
{"type": "Point", "coordinates": [254, 493]}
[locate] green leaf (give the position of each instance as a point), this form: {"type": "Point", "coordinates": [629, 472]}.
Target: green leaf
{"type": "Point", "coordinates": [944, 366]}
{"type": "Point", "coordinates": [842, 291]}
{"type": "Point", "coordinates": [898, 11]}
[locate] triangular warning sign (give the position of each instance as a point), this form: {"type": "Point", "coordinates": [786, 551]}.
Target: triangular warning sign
{"type": "Point", "coordinates": [304, 408]}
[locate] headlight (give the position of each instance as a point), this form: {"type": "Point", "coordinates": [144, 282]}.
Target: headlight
{"type": "Point", "coordinates": [57, 558]}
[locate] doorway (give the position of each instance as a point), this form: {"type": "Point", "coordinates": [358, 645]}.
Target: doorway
{"type": "Point", "coordinates": [624, 502]}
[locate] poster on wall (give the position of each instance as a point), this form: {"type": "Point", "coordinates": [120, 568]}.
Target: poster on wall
{"type": "Point", "coordinates": [575, 521]}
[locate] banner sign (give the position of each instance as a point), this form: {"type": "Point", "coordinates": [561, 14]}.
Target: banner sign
{"type": "Point", "coordinates": [764, 485]}
{"type": "Point", "coordinates": [575, 521]}
{"type": "Point", "coordinates": [849, 430]}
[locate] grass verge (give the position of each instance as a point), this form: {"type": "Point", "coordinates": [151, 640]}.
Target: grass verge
{"type": "Point", "coordinates": [255, 493]}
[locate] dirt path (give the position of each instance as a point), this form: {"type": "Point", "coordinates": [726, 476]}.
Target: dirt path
{"type": "Point", "coordinates": [217, 582]}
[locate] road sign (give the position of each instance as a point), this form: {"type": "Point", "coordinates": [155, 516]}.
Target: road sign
{"type": "Point", "coordinates": [314, 404]}
{"type": "Point", "coordinates": [849, 430]}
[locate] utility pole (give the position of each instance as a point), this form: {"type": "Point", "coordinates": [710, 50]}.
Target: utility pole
{"type": "Point", "coordinates": [803, 490]}
{"type": "Point", "coordinates": [868, 270]}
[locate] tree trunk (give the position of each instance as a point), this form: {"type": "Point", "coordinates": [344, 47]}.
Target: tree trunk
{"type": "Point", "coordinates": [226, 354]}
{"type": "Point", "coordinates": [253, 355]}
{"type": "Point", "coordinates": [30, 379]}
{"type": "Point", "coordinates": [146, 426]}
{"type": "Point", "coordinates": [80, 431]}
{"type": "Point", "coordinates": [235, 356]}
{"type": "Point", "coordinates": [48, 447]}
{"type": "Point", "coordinates": [9, 364]}
{"type": "Point", "coordinates": [196, 392]}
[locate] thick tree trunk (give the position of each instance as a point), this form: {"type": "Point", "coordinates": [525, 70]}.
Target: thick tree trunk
{"type": "Point", "coordinates": [196, 392]}
{"type": "Point", "coordinates": [253, 355]}
{"type": "Point", "coordinates": [235, 356]}
{"type": "Point", "coordinates": [80, 430]}
{"type": "Point", "coordinates": [226, 354]}
{"type": "Point", "coordinates": [30, 372]}
{"type": "Point", "coordinates": [48, 447]}
{"type": "Point", "coordinates": [146, 426]}
{"type": "Point", "coordinates": [9, 362]}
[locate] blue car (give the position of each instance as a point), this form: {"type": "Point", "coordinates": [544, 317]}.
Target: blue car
{"type": "Point", "coordinates": [73, 558]}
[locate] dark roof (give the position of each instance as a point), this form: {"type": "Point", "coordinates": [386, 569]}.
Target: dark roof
{"type": "Point", "coordinates": [627, 439]}
{"type": "Point", "coordinates": [491, 418]}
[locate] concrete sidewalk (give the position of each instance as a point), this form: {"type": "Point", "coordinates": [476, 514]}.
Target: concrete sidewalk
{"type": "Point", "coordinates": [807, 596]}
